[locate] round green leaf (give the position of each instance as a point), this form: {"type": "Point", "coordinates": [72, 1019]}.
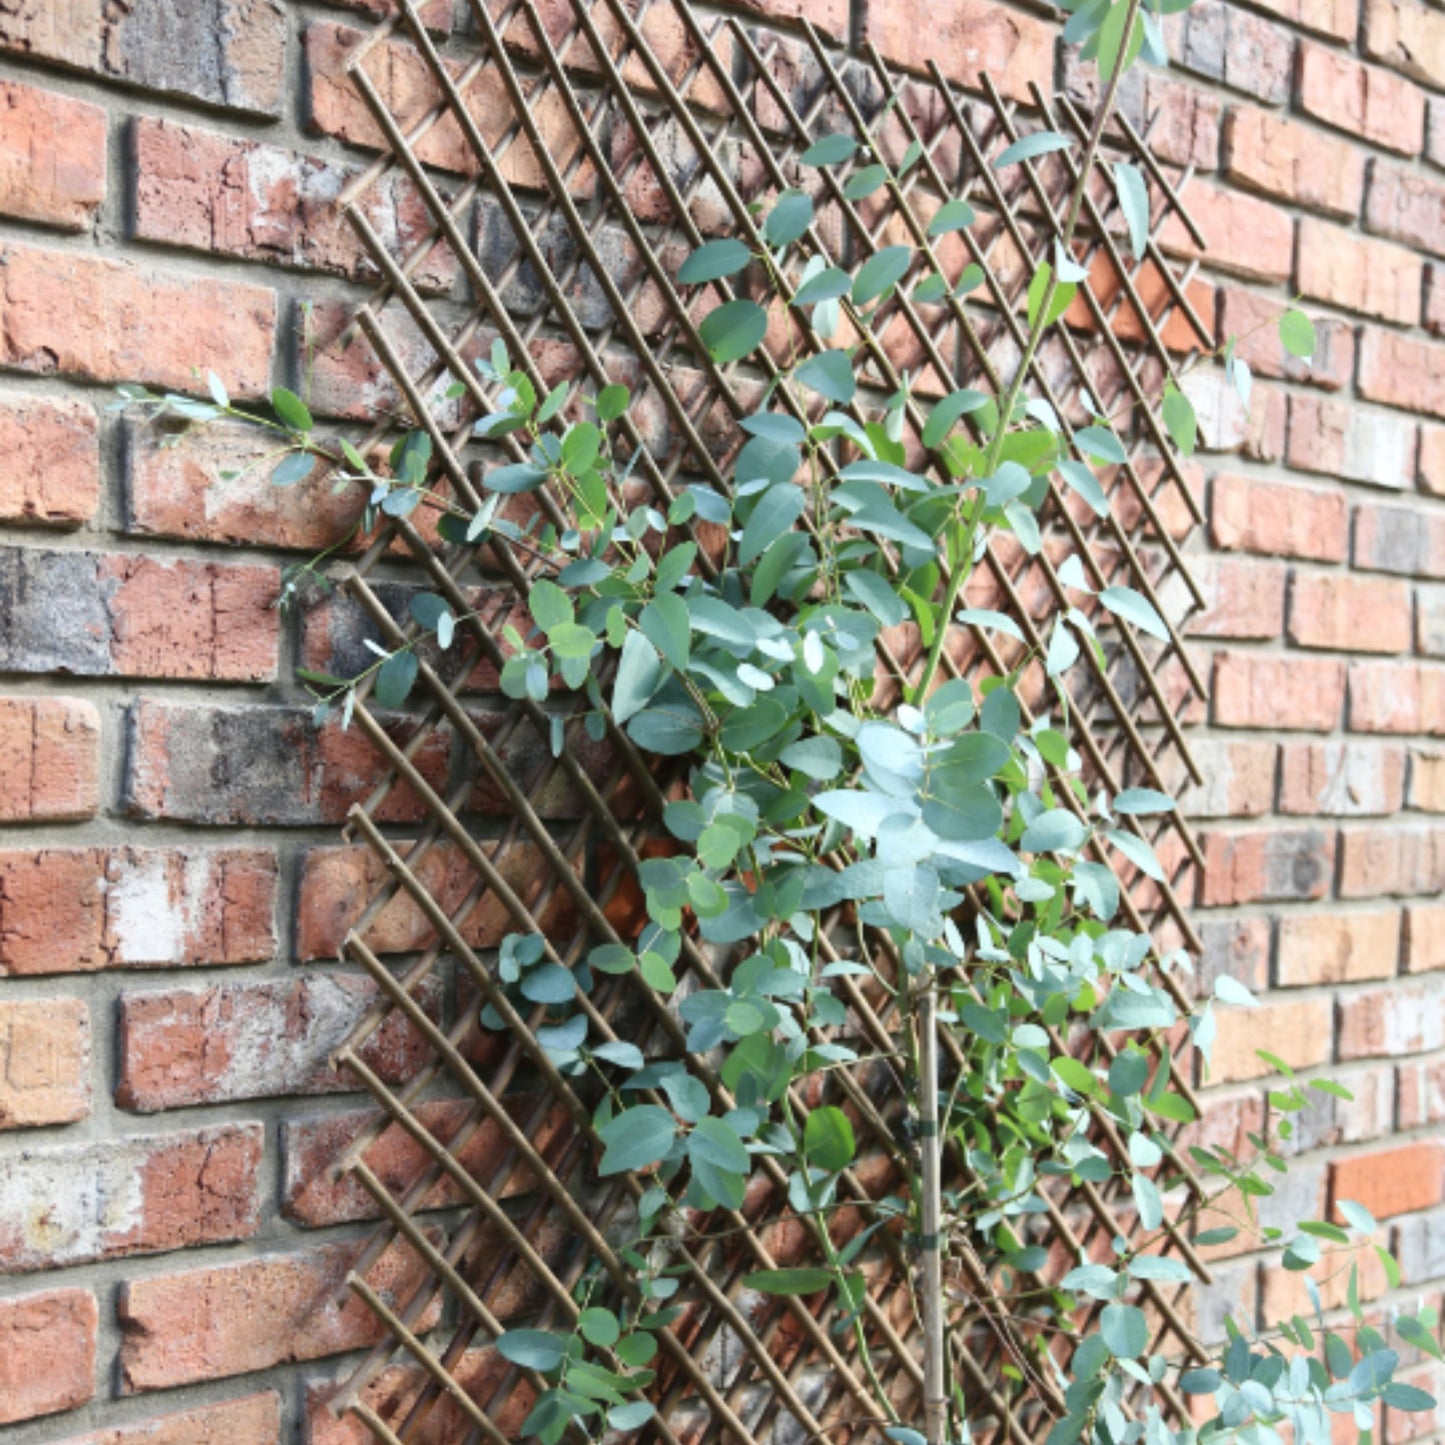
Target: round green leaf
{"type": "Point", "coordinates": [733, 330]}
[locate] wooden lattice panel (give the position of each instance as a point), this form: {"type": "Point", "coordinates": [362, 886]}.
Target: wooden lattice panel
{"type": "Point", "coordinates": [571, 156]}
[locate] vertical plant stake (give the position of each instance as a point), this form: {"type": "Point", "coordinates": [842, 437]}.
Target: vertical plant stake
{"type": "Point", "coordinates": [797, 959]}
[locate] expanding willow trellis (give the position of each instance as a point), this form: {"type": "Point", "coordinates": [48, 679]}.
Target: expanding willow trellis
{"type": "Point", "coordinates": [570, 156]}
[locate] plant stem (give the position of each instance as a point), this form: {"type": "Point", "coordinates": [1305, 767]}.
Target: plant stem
{"type": "Point", "coordinates": [1031, 347]}
{"type": "Point", "coordinates": [935, 1373]}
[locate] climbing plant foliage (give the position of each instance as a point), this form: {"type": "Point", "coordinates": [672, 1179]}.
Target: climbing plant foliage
{"type": "Point", "coordinates": [958, 846]}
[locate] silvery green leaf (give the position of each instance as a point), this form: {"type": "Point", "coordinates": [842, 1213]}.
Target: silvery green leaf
{"type": "Point", "coordinates": [1126, 603]}
{"type": "Point", "coordinates": [880, 273]}
{"type": "Point", "coordinates": [1143, 801]}
{"type": "Point", "coordinates": [1085, 483]}
{"type": "Point", "coordinates": [1356, 1215]}
{"type": "Point", "coordinates": [1132, 1011]}
{"type": "Point", "coordinates": [1156, 1266]}
{"type": "Point", "coordinates": [1138, 852]}
{"type": "Point", "coordinates": [1056, 830]}
{"type": "Point", "coordinates": [819, 758]}
{"type": "Point", "coordinates": [755, 677]}
{"type": "Point", "coordinates": [1101, 444]}
{"type": "Point", "coordinates": [1147, 1201]}
{"type": "Point", "coordinates": [1230, 990]}
{"type": "Point", "coordinates": [635, 1138]}
{"type": "Point", "coordinates": [1097, 1280]}
{"type": "Point", "coordinates": [1134, 203]}
{"type": "Point", "coordinates": [862, 813]}
{"type": "Point", "coordinates": [830, 374]}
{"type": "Point", "coordinates": [988, 854]}
{"type": "Point", "coordinates": [624, 1055]}
{"type": "Point", "coordinates": [1063, 650]}
{"type": "Point", "coordinates": [996, 621]}
{"type": "Point", "coordinates": [638, 673]}
{"type": "Point", "coordinates": [733, 330]}
{"type": "Point", "coordinates": [877, 596]}
{"type": "Point", "coordinates": [1039, 143]}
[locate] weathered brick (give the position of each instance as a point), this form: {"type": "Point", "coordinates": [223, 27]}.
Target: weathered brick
{"type": "Point", "coordinates": [1402, 371]}
{"type": "Point", "coordinates": [1432, 459]}
{"type": "Point", "coordinates": [1409, 541]}
{"type": "Point", "coordinates": [71, 1204]}
{"type": "Point", "coordinates": [51, 476]}
{"type": "Point", "coordinates": [1427, 780]}
{"type": "Point", "coordinates": [249, 1420]}
{"type": "Point", "coordinates": [228, 53]}
{"type": "Point", "coordinates": [1396, 697]}
{"type": "Point", "coordinates": [1221, 42]}
{"type": "Point", "coordinates": [44, 1061]}
{"type": "Point", "coordinates": [1242, 234]}
{"type": "Point", "coordinates": [1252, 514]}
{"type": "Point", "coordinates": [1254, 320]}
{"type": "Point", "coordinates": [209, 485]}
{"type": "Point", "coordinates": [408, 90]}
{"type": "Point", "coordinates": [1424, 938]}
{"type": "Point", "coordinates": [1239, 947]}
{"type": "Point", "coordinates": [1408, 35]}
{"type": "Point", "coordinates": [205, 1324]}
{"type": "Point", "coordinates": [1224, 425]}
{"type": "Point", "coordinates": [1357, 273]}
{"type": "Point", "coordinates": [1407, 206]}
{"type": "Point", "coordinates": [1238, 778]}
{"type": "Point", "coordinates": [1361, 99]}
{"type": "Point", "coordinates": [47, 1353]}
{"type": "Point", "coordinates": [1349, 613]}
{"type": "Point", "coordinates": [312, 1196]}
{"type": "Point", "coordinates": [251, 1041]}
{"type": "Point", "coordinates": [1392, 1181]}
{"type": "Point", "coordinates": [72, 910]}
{"type": "Point", "coordinates": [1284, 158]}
{"type": "Point", "coordinates": [1243, 598]}
{"type": "Point", "coordinates": [1326, 1121]}
{"type": "Point", "coordinates": [125, 616]}
{"type": "Point", "coordinates": [1390, 859]}
{"type": "Point", "coordinates": [1299, 1031]}
{"type": "Point", "coordinates": [1336, 18]}
{"type": "Point", "coordinates": [1421, 1089]}
{"type": "Point", "coordinates": [1266, 865]}
{"type": "Point", "coordinates": [49, 759]}
{"type": "Point", "coordinates": [1342, 780]}
{"type": "Point", "coordinates": [52, 156]}
{"type": "Point", "coordinates": [968, 39]}
{"type": "Point", "coordinates": [260, 765]}
{"type": "Point", "coordinates": [1254, 689]}
{"type": "Point", "coordinates": [1282, 1292]}
{"type": "Point", "coordinates": [1341, 439]}
{"type": "Point", "coordinates": [104, 320]}
{"type": "Point", "coordinates": [337, 884]}
{"type": "Point", "coordinates": [213, 193]}
{"type": "Point", "coordinates": [1317, 948]}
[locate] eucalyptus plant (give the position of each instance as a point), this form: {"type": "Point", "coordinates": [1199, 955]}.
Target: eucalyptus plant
{"type": "Point", "coordinates": [923, 857]}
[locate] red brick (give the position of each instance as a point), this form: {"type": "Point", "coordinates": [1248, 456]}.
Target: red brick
{"type": "Point", "coordinates": [52, 157]}
{"type": "Point", "coordinates": [1242, 233]}
{"type": "Point", "coordinates": [1336, 18]}
{"type": "Point", "coordinates": [1408, 35]}
{"type": "Point", "coordinates": [1318, 948]}
{"type": "Point", "coordinates": [1299, 1031]}
{"type": "Point", "coordinates": [49, 759]}
{"type": "Point", "coordinates": [105, 320]}
{"type": "Point", "coordinates": [1284, 158]}
{"type": "Point", "coordinates": [1402, 371]}
{"type": "Point", "coordinates": [1421, 1088]}
{"type": "Point", "coordinates": [338, 883]}
{"type": "Point", "coordinates": [51, 476]}
{"type": "Point", "coordinates": [74, 1204]}
{"type": "Point", "coordinates": [1359, 274]}
{"type": "Point", "coordinates": [1255, 689]}
{"type": "Point", "coordinates": [1432, 459]}
{"type": "Point", "coordinates": [206, 1324]}
{"type": "Point", "coordinates": [261, 765]}
{"type": "Point", "coordinates": [1252, 514]}
{"type": "Point", "coordinates": [44, 1062]}
{"type": "Point", "coordinates": [1254, 321]}
{"type": "Point", "coordinates": [1190, 118]}
{"type": "Point", "coordinates": [1227, 44]}
{"type": "Point", "coordinates": [1381, 860]}
{"type": "Point", "coordinates": [1408, 540]}
{"type": "Point", "coordinates": [228, 53]}
{"type": "Point", "coordinates": [1392, 1181]}
{"type": "Point", "coordinates": [1342, 779]}
{"type": "Point", "coordinates": [1406, 205]}
{"type": "Point", "coordinates": [251, 1041]}
{"type": "Point", "coordinates": [1425, 938]}
{"type": "Point", "coordinates": [1238, 778]}
{"type": "Point", "coordinates": [312, 1196]}
{"type": "Point", "coordinates": [1365, 101]}
{"type": "Point", "coordinates": [75, 910]}
{"type": "Point", "coordinates": [1223, 423]}
{"type": "Point", "coordinates": [209, 486]}
{"type": "Point", "coordinates": [1267, 864]}
{"type": "Point", "coordinates": [249, 1420]}
{"type": "Point", "coordinates": [409, 91]}
{"type": "Point", "coordinates": [1243, 598]}
{"type": "Point", "coordinates": [1341, 439]}
{"type": "Point", "coordinates": [214, 193]}
{"type": "Point", "coordinates": [1396, 697]}
{"type": "Point", "coordinates": [968, 39]}
{"type": "Point", "coordinates": [1349, 613]}
{"type": "Point", "coordinates": [47, 1353]}
{"type": "Point", "coordinates": [1391, 1020]}
{"type": "Point", "coordinates": [1427, 781]}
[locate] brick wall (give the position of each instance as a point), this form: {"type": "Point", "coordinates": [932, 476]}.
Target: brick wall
{"type": "Point", "coordinates": [170, 886]}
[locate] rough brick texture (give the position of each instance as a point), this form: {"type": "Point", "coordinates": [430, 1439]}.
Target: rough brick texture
{"type": "Point", "coordinates": [173, 889]}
